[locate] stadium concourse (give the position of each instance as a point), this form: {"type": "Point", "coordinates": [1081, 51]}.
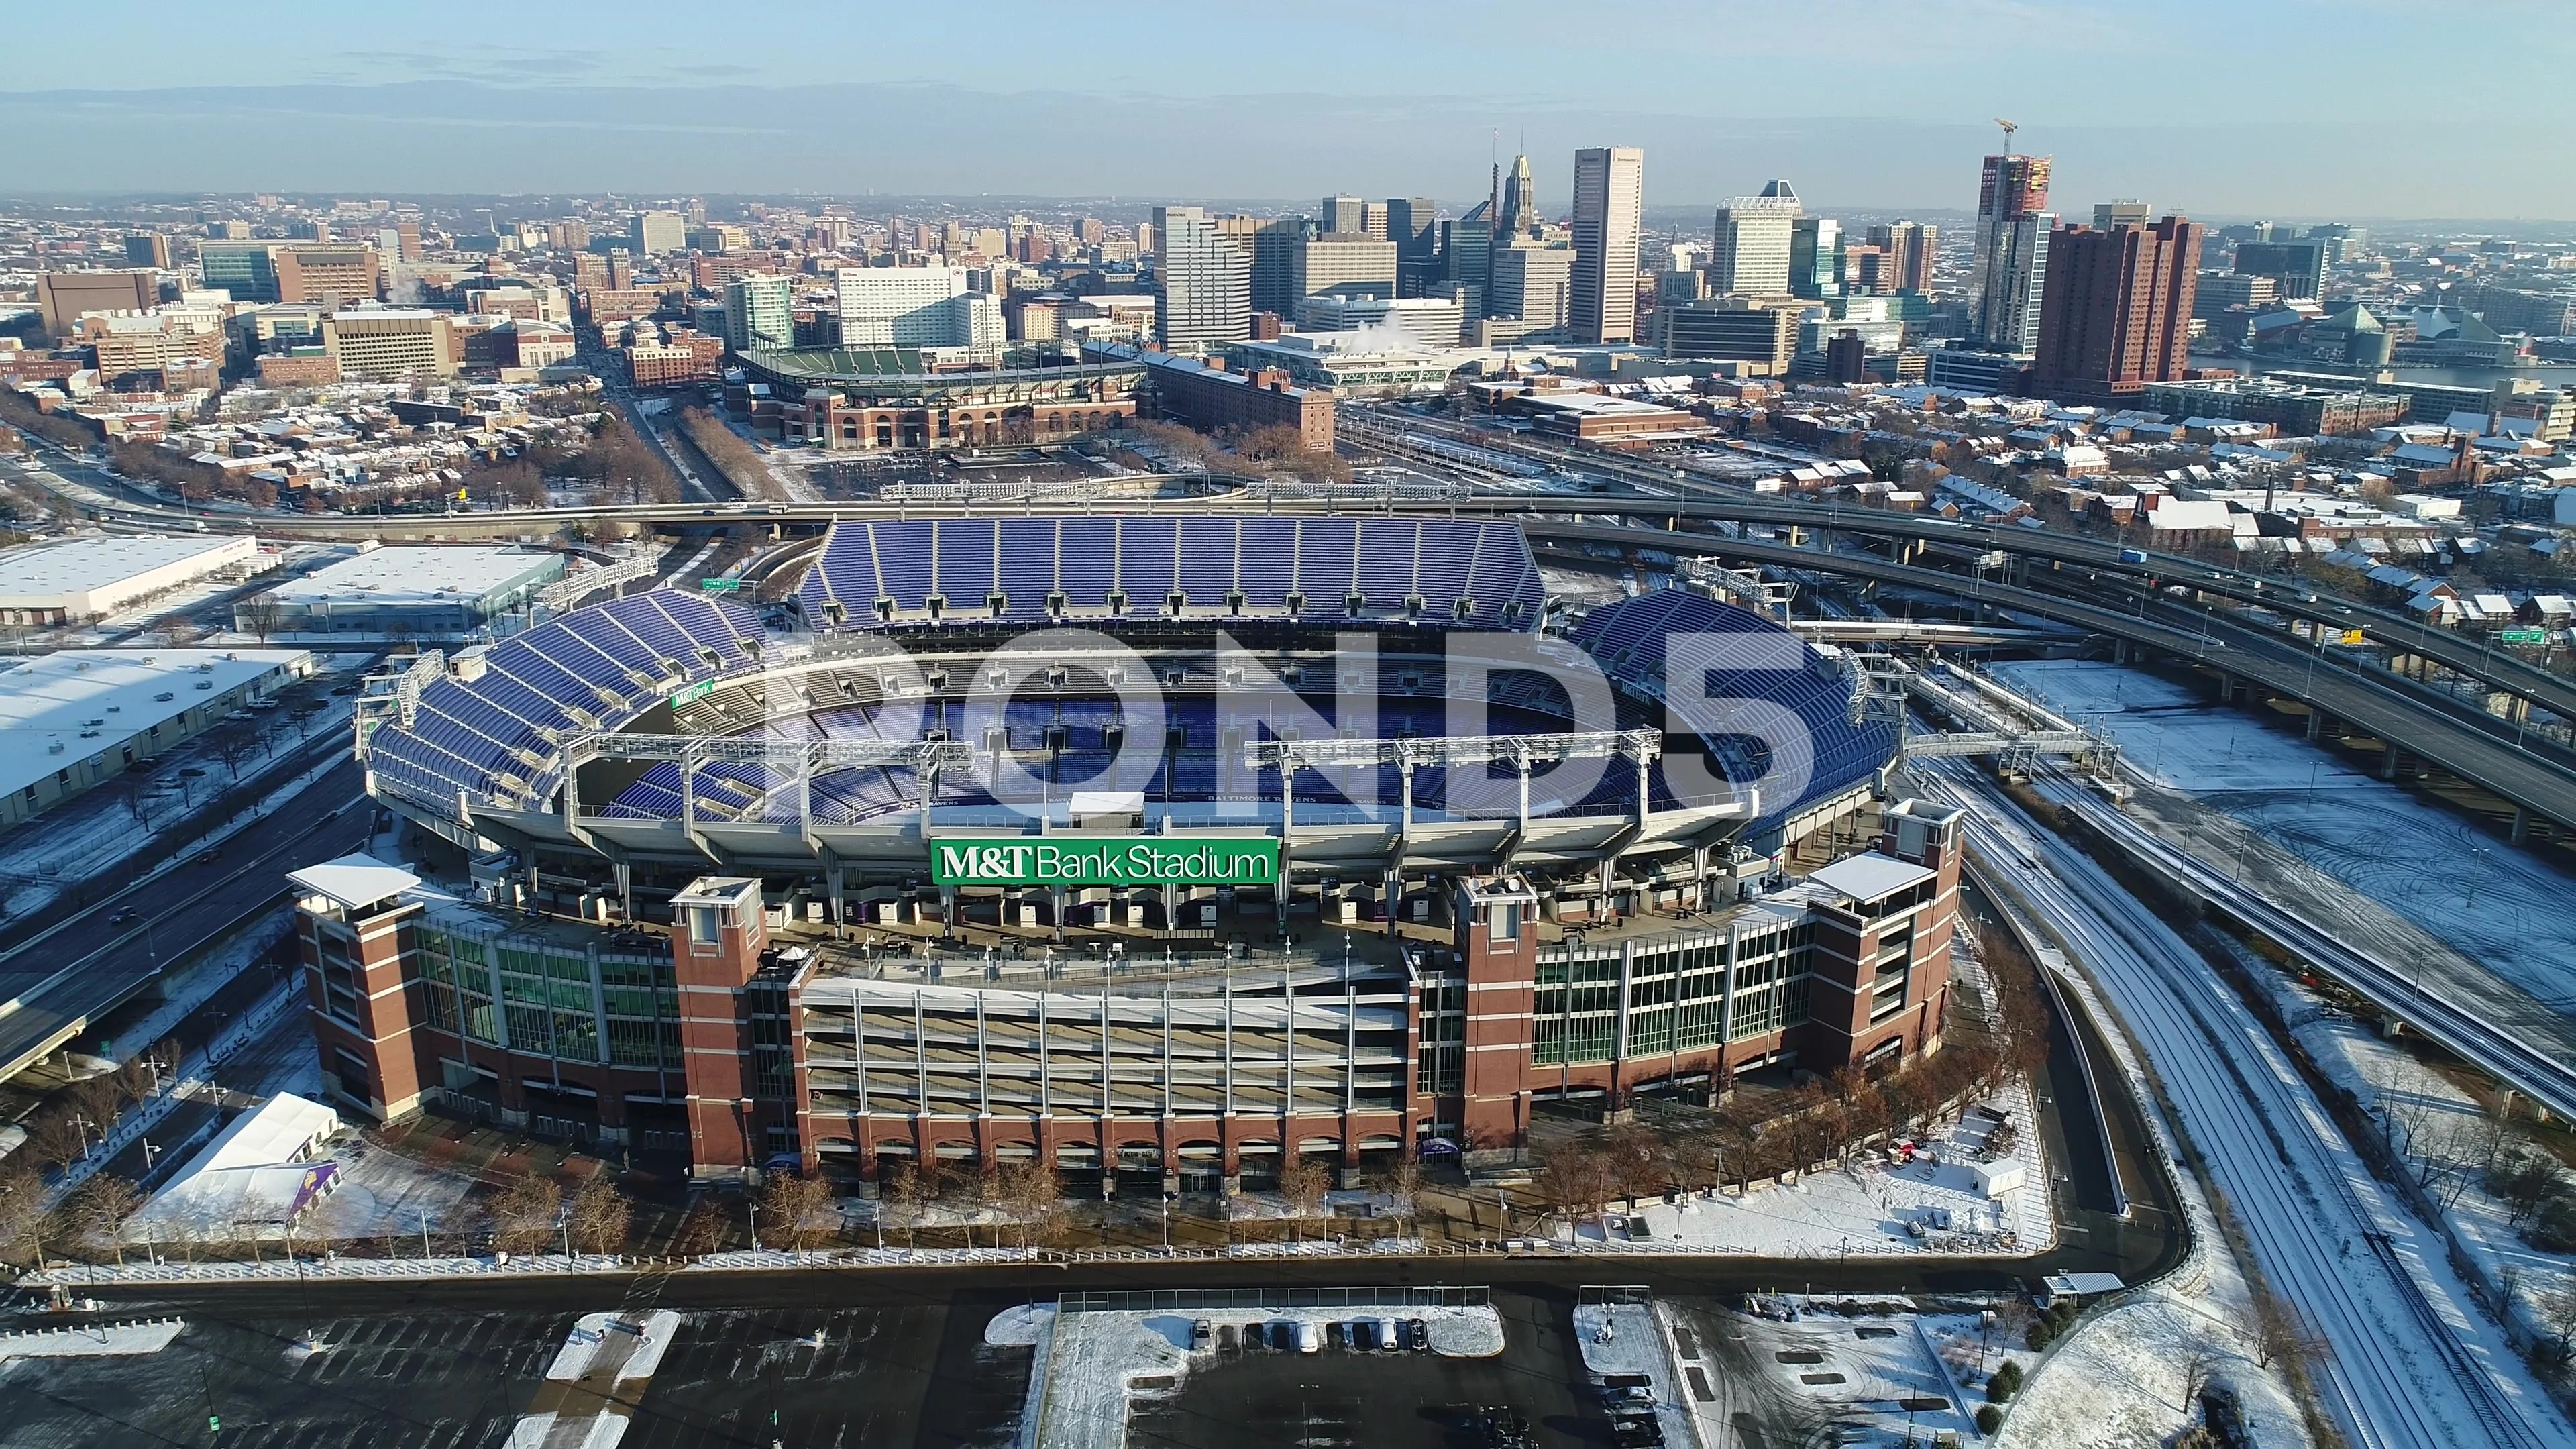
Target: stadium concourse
{"type": "Point", "coordinates": [1168, 850]}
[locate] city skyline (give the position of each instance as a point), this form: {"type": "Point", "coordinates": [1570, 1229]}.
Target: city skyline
{"type": "Point", "coordinates": [2230, 130]}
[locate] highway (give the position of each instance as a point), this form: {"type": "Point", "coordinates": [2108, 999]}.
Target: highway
{"type": "Point", "coordinates": [2282, 665]}
{"type": "Point", "coordinates": [74, 974]}
{"type": "Point", "coordinates": [2412, 1359]}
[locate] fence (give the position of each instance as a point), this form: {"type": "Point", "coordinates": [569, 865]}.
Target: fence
{"type": "Point", "coordinates": [1202, 1300]}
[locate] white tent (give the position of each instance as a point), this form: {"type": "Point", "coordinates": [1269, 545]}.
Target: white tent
{"type": "Point", "coordinates": [253, 1180]}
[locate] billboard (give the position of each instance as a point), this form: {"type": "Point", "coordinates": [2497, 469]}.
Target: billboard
{"type": "Point", "coordinates": [1090, 860]}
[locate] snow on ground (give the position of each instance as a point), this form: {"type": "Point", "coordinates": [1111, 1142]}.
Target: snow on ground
{"type": "Point", "coordinates": [2438, 1127]}
{"type": "Point", "coordinates": [1867, 1208]}
{"type": "Point", "coordinates": [382, 1194]}
{"type": "Point", "coordinates": [2121, 1379]}
{"type": "Point", "coordinates": [2503, 907]}
{"type": "Point", "coordinates": [85, 838]}
{"type": "Point", "coordinates": [1628, 1338]}
{"type": "Point", "coordinates": [1882, 1373]}
{"type": "Point", "coordinates": [91, 1340]}
{"type": "Point", "coordinates": [1095, 1364]}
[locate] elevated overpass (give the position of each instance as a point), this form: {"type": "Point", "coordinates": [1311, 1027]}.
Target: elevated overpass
{"type": "Point", "coordinates": [2377, 704]}
{"type": "Point", "coordinates": [2525, 780]}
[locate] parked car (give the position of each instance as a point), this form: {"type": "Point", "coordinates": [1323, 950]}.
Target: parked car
{"type": "Point", "coordinates": [1417, 1335]}
{"type": "Point", "coordinates": [1202, 1335]}
{"type": "Point", "coordinates": [1390, 1337]}
{"type": "Point", "coordinates": [1310, 1339]}
{"type": "Point", "coordinates": [1363, 1333]}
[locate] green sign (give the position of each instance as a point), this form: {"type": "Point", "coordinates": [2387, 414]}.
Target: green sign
{"type": "Point", "coordinates": [721, 586]}
{"type": "Point", "coordinates": [2525, 636]}
{"type": "Point", "coordinates": [693, 693]}
{"type": "Point", "coordinates": [1106, 860]}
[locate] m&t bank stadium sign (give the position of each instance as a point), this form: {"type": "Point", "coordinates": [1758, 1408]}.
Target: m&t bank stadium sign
{"type": "Point", "coordinates": [1107, 860]}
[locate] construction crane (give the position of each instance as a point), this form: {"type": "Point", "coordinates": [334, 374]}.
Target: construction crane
{"type": "Point", "coordinates": [2009, 128]}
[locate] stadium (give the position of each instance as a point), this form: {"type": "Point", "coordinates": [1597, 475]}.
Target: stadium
{"type": "Point", "coordinates": [1168, 847]}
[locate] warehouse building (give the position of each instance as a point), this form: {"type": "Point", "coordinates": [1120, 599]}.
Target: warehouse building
{"type": "Point", "coordinates": [80, 579]}
{"type": "Point", "coordinates": [425, 590]}
{"type": "Point", "coordinates": [74, 719]}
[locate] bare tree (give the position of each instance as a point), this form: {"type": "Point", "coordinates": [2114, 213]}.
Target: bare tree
{"type": "Point", "coordinates": [2198, 1362]}
{"type": "Point", "coordinates": [2557, 1309]}
{"type": "Point", "coordinates": [1576, 1181]}
{"type": "Point", "coordinates": [901, 1189]}
{"type": "Point", "coordinates": [701, 1228]}
{"type": "Point", "coordinates": [22, 1215]}
{"type": "Point", "coordinates": [262, 614]}
{"type": "Point", "coordinates": [601, 1217]}
{"type": "Point", "coordinates": [1034, 1198]}
{"type": "Point", "coordinates": [524, 1216]}
{"type": "Point", "coordinates": [98, 1208]}
{"type": "Point", "coordinates": [1404, 1184]}
{"type": "Point", "coordinates": [2281, 1336]}
{"type": "Point", "coordinates": [791, 1203]}
{"type": "Point", "coordinates": [1303, 1182]}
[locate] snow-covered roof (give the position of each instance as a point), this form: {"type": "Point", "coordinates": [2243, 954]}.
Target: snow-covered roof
{"type": "Point", "coordinates": [419, 573]}
{"type": "Point", "coordinates": [353, 880]}
{"type": "Point", "coordinates": [1870, 875]}
{"type": "Point", "coordinates": [74, 704]}
{"type": "Point", "coordinates": [253, 1175]}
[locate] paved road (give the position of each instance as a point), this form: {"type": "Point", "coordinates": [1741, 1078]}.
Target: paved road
{"type": "Point", "coordinates": [75, 975]}
{"type": "Point", "coordinates": [2282, 665]}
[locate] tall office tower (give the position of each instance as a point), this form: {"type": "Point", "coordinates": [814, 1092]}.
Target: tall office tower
{"type": "Point", "coordinates": [1373, 221]}
{"type": "Point", "coordinates": [657, 232]}
{"type": "Point", "coordinates": [1909, 248]}
{"type": "Point", "coordinates": [621, 271]}
{"type": "Point", "coordinates": [1816, 257]}
{"type": "Point", "coordinates": [1609, 202]}
{"type": "Point", "coordinates": [1413, 224]}
{"type": "Point", "coordinates": [1533, 282]}
{"type": "Point", "coordinates": [1347, 214]}
{"type": "Point", "coordinates": [2298, 266]}
{"type": "Point", "coordinates": [2343, 243]}
{"type": "Point", "coordinates": [1750, 253]}
{"type": "Point", "coordinates": [759, 312]}
{"type": "Point", "coordinates": [2012, 253]}
{"type": "Point", "coordinates": [408, 233]}
{"type": "Point", "coordinates": [2116, 314]}
{"type": "Point", "coordinates": [1519, 214]}
{"type": "Point", "coordinates": [1274, 245]}
{"type": "Point", "coordinates": [1202, 282]}
{"type": "Point", "coordinates": [1343, 265]}
{"type": "Point", "coordinates": [2108, 214]}
{"type": "Point", "coordinates": [1467, 256]}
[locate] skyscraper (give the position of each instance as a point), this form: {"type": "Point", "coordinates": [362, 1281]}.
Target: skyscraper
{"type": "Point", "coordinates": [2012, 253]}
{"type": "Point", "coordinates": [1519, 213]}
{"type": "Point", "coordinates": [760, 312]}
{"type": "Point", "coordinates": [1343, 214]}
{"type": "Point", "coordinates": [1202, 282]}
{"type": "Point", "coordinates": [1816, 257]}
{"type": "Point", "coordinates": [657, 232]}
{"type": "Point", "coordinates": [1609, 202]}
{"type": "Point", "coordinates": [1751, 253]}
{"type": "Point", "coordinates": [2116, 314]}
{"type": "Point", "coordinates": [1274, 263]}
{"type": "Point", "coordinates": [2298, 266]}
{"type": "Point", "coordinates": [1413, 224]}
{"type": "Point", "coordinates": [1909, 246]}
{"type": "Point", "coordinates": [2108, 214]}
{"type": "Point", "coordinates": [1467, 256]}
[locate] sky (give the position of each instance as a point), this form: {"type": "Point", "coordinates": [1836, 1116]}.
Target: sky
{"type": "Point", "coordinates": [2297, 109]}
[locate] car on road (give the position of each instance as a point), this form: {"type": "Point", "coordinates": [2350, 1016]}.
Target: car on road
{"type": "Point", "coordinates": [209, 855]}
{"type": "Point", "coordinates": [124, 915]}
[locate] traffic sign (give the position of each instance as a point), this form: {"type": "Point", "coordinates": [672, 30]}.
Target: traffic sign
{"type": "Point", "coordinates": [721, 586]}
{"type": "Point", "coordinates": [2525, 636]}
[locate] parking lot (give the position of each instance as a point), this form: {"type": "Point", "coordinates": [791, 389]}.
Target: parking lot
{"type": "Point", "coordinates": [1373, 1399]}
